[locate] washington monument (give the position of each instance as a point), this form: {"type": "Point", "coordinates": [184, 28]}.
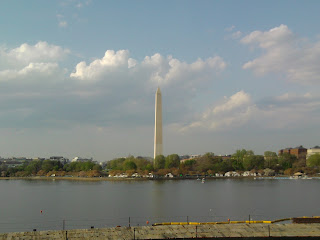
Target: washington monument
{"type": "Point", "coordinates": [158, 125]}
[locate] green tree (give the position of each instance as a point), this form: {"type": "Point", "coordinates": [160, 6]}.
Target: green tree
{"type": "Point", "coordinates": [239, 155]}
{"type": "Point", "coordinates": [223, 166]}
{"type": "Point", "coordinates": [314, 160]}
{"type": "Point", "coordinates": [47, 166]}
{"type": "Point", "coordinates": [209, 154]}
{"type": "Point", "coordinates": [189, 163]}
{"type": "Point", "coordinates": [253, 162]}
{"type": "Point", "coordinates": [33, 167]}
{"type": "Point", "coordinates": [129, 165]}
{"type": "Point", "coordinates": [116, 164]}
{"type": "Point", "coordinates": [97, 167]}
{"type": "Point", "coordinates": [206, 162]}
{"type": "Point", "coordinates": [286, 160]}
{"type": "Point", "coordinates": [141, 163]}
{"type": "Point", "coordinates": [159, 162]}
{"type": "Point", "coordinates": [172, 161]}
{"type": "Point", "coordinates": [149, 167]}
{"type": "Point", "coordinates": [270, 159]}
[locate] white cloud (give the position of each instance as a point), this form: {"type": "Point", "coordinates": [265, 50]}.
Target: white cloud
{"type": "Point", "coordinates": [81, 3]}
{"type": "Point", "coordinates": [283, 112]}
{"type": "Point", "coordinates": [32, 70]}
{"type": "Point", "coordinates": [40, 52]}
{"type": "Point", "coordinates": [31, 62]}
{"type": "Point", "coordinates": [272, 38]}
{"type": "Point", "coordinates": [32, 78]}
{"type": "Point", "coordinates": [229, 29]}
{"type": "Point", "coordinates": [285, 53]}
{"type": "Point", "coordinates": [236, 35]}
{"type": "Point", "coordinates": [63, 24]}
{"type": "Point", "coordinates": [155, 70]}
{"type": "Point", "coordinates": [75, 3]}
{"type": "Point", "coordinates": [110, 62]}
{"type": "Point", "coordinates": [61, 21]}
{"type": "Point", "coordinates": [232, 112]}
{"type": "Point", "coordinates": [235, 101]}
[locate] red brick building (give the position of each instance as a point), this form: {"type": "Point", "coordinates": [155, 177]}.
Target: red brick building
{"type": "Point", "coordinates": [300, 152]}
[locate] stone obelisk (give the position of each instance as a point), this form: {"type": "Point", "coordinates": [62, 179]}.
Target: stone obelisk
{"type": "Point", "coordinates": [158, 125]}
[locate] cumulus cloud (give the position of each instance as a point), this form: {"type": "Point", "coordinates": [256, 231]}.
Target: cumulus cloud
{"type": "Point", "coordinates": [31, 61]}
{"type": "Point", "coordinates": [155, 69]}
{"type": "Point", "coordinates": [113, 90]}
{"type": "Point", "coordinates": [239, 110]}
{"type": "Point", "coordinates": [40, 52]}
{"type": "Point", "coordinates": [110, 62]}
{"type": "Point", "coordinates": [284, 53]}
{"type": "Point", "coordinates": [232, 112]}
{"type": "Point", "coordinates": [33, 70]}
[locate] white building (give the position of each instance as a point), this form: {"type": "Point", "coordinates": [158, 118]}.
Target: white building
{"type": "Point", "coordinates": [79, 159]}
{"type": "Point", "coordinates": [312, 151]}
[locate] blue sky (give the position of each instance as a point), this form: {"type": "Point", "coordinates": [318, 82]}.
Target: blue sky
{"type": "Point", "coordinates": [78, 78]}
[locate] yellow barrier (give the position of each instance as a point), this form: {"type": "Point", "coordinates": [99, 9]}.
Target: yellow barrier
{"type": "Point", "coordinates": [194, 223]}
{"type": "Point", "coordinates": [229, 222]}
{"type": "Point", "coordinates": [267, 222]}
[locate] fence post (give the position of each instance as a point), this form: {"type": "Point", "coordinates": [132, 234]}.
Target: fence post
{"type": "Point", "coordinates": [196, 231]}
{"type": "Point", "coordinates": [134, 233]}
{"type": "Point", "coordinates": [129, 221]}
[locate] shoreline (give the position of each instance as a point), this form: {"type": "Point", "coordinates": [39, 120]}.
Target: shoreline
{"type": "Point", "coordinates": [282, 177]}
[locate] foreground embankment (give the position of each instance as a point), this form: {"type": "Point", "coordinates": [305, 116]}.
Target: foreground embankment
{"type": "Point", "coordinates": [216, 231]}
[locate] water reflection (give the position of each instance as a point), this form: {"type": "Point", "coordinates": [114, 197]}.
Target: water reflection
{"type": "Point", "coordinates": [111, 203]}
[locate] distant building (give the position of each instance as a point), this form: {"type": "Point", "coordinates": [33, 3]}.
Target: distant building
{"type": "Point", "coordinates": [184, 157]}
{"type": "Point", "coordinates": [59, 158]}
{"type": "Point", "coordinates": [312, 151]}
{"type": "Point", "coordinates": [14, 161]}
{"type": "Point", "coordinates": [225, 157]}
{"type": "Point", "coordinates": [300, 152]}
{"type": "Point", "coordinates": [79, 159]}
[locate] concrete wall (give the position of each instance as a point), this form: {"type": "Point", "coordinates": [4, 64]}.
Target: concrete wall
{"type": "Point", "coordinates": [210, 231]}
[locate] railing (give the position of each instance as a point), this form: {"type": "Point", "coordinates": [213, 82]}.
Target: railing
{"type": "Point", "coordinates": [66, 224]}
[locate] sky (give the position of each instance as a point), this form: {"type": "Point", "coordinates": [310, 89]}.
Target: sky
{"type": "Point", "coordinates": [78, 77]}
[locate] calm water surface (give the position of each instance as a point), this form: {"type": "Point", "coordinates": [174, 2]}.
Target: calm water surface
{"type": "Point", "coordinates": [83, 204]}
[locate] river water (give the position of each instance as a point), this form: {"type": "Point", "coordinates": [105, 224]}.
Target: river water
{"type": "Point", "coordinates": [82, 204]}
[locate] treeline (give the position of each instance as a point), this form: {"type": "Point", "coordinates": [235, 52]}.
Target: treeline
{"type": "Point", "coordinates": [209, 164]}
{"type": "Point", "coordinates": [241, 160]}
{"type": "Point", "coordinates": [49, 167]}
{"type": "Point", "coordinates": [246, 160]}
{"type": "Point", "coordinates": [142, 165]}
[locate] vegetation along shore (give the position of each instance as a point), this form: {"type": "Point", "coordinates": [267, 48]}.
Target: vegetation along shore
{"type": "Point", "coordinates": [243, 163]}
